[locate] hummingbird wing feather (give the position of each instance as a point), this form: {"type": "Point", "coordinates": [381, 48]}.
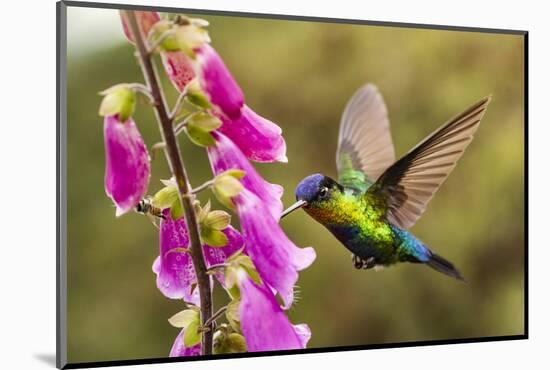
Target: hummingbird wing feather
{"type": "Point", "coordinates": [408, 185]}
{"type": "Point", "coordinates": [365, 145]}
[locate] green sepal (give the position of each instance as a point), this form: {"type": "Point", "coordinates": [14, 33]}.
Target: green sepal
{"type": "Point", "coordinates": [237, 261]}
{"type": "Point", "coordinates": [213, 238]}
{"type": "Point", "coordinates": [217, 220]}
{"type": "Point", "coordinates": [118, 99]}
{"type": "Point", "coordinates": [199, 136]}
{"type": "Point", "coordinates": [190, 37]}
{"type": "Point", "coordinates": [234, 292]}
{"type": "Point", "coordinates": [225, 187]}
{"type": "Point", "coordinates": [234, 172]}
{"type": "Point", "coordinates": [176, 210]}
{"type": "Point", "coordinates": [204, 121]}
{"type": "Point", "coordinates": [184, 318]}
{"type": "Point", "coordinates": [192, 336]}
{"type": "Point", "coordinates": [232, 315]}
{"type": "Point", "coordinates": [169, 43]}
{"type": "Point", "coordinates": [235, 343]}
{"type": "Point", "coordinates": [165, 197]}
{"type": "Point", "coordinates": [196, 96]}
{"type": "Point", "coordinates": [246, 263]}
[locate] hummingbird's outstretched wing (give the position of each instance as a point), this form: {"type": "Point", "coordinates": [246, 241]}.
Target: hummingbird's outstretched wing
{"type": "Point", "coordinates": [409, 184]}
{"type": "Point", "coordinates": [365, 146]}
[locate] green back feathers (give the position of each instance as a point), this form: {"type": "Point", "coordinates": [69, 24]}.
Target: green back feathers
{"type": "Point", "coordinates": [365, 147]}
{"type": "Point", "coordinates": [365, 157]}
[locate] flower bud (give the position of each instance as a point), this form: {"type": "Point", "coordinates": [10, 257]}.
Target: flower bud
{"type": "Point", "coordinates": [127, 168]}
{"type": "Point", "coordinates": [190, 37]}
{"type": "Point", "coordinates": [169, 43]}
{"type": "Point", "coordinates": [226, 185]}
{"type": "Point", "coordinates": [118, 100]}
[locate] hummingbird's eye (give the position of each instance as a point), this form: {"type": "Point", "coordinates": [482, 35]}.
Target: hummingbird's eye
{"type": "Point", "coordinates": [323, 192]}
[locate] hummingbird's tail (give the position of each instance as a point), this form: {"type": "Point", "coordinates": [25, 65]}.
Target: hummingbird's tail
{"type": "Point", "coordinates": [440, 264]}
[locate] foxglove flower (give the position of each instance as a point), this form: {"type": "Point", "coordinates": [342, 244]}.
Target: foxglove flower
{"type": "Point", "coordinates": [275, 256]}
{"type": "Point", "coordinates": [217, 82]}
{"type": "Point", "coordinates": [127, 169]}
{"type": "Point", "coordinates": [179, 68]}
{"type": "Point", "coordinates": [145, 20]}
{"type": "Point", "coordinates": [263, 322]}
{"type": "Point", "coordinates": [259, 139]}
{"type": "Point", "coordinates": [225, 156]}
{"type": "Point", "coordinates": [175, 273]}
{"type": "Point", "coordinates": [179, 349]}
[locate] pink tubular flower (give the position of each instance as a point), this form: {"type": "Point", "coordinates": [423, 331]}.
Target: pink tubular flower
{"type": "Point", "coordinates": [259, 139]}
{"type": "Point", "coordinates": [178, 67]}
{"type": "Point", "coordinates": [127, 169]}
{"type": "Point", "coordinates": [263, 322]}
{"type": "Point", "coordinates": [276, 257]}
{"type": "Point", "coordinates": [218, 83]}
{"type": "Point", "coordinates": [145, 20]}
{"type": "Point", "coordinates": [225, 156]}
{"type": "Point", "coordinates": [179, 349]}
{"type": "Point", "coordinates": [175, 273]}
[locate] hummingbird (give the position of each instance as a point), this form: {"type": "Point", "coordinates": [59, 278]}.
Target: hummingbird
{"type": "Point", "coordinates": [376, 199]}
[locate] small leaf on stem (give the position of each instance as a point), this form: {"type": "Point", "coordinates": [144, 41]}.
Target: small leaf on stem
{"type": "Point", "coordinates": [184, 318]}
{"type": "Point", "coordinates": [199, 136]}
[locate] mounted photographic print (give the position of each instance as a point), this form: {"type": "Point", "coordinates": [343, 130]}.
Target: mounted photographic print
{"type": "Point", "coordinates": [236, 185]}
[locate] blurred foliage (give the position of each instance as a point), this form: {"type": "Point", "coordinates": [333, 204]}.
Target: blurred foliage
{"type": "Point", "coordinates": [300, 75]}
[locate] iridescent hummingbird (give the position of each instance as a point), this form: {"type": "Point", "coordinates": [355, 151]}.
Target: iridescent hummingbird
{"type": "Point", "coordinates": [377, 199]}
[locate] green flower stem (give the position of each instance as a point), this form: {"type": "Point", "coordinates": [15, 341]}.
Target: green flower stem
{"type": "Point", "coordinates": [143, 90]}
{"type": "Point", "coordinates": [178, 170]}
{"type": "Point", "coordinates": [178, 129]}
{"type": "Point", "coordinates": [202, 187]}
{"type": "Point", "coordinates": [179, 104]}
{"type": "Point", "coordinates": [216, 316]}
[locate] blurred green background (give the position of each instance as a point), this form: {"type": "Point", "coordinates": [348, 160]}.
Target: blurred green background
{"type": "Point", "coordinates": [300, 75]}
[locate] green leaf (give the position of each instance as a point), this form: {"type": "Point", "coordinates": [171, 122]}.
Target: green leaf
{"type": "Point", "coordinates": [217, 220]}
{"type": "Point", "coordinates": [165, 197]}
{"type": "Point", "coordinates": [184, 318]}
{"type": "Point", "coordinates": [246, 263]}
{"type": "Point", "coordinates": [232, 315]}
{"type": "Point", "coordinates": [176, 210]}
{"type": "Point", "coordinates": [213, 238]}
{"type": "Point", "coordinates": [199, 137]}
{"type": "Point", "coordinates": [205, 121]}
{"type": "Point", "coordinates": [192, 337]}
{"type": "Point", "coordinates": [118, 99]}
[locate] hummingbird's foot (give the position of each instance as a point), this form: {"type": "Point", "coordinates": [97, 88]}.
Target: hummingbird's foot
{"type": "Point", "coordinates": [369, 263]}
{"type": "Point", "coordinates": [360, 263]}
{"type": "Point", "coordinates": [357, 262]}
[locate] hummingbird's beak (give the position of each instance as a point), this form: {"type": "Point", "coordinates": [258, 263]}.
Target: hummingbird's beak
{"type": "Point", "coordinates": [292, 208]}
